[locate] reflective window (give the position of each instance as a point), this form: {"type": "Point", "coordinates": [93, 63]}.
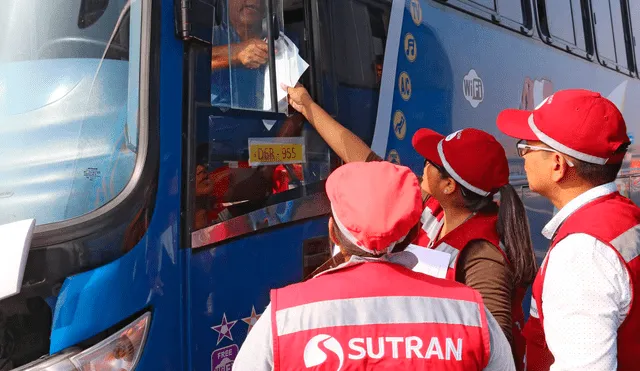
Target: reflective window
{"type": "Point", "coordinates": [69, 76]}
{"type": "Point", "coordinates": [247, 161]}
{"type": "Point", "coordinates": [562, 21]}
{"type": "Point", "coordinates": [610, 24]}
{"type": "Point", "coordinates": [357, 54]}
{"type": "Point", "coordinates": [513, 9]}
{"type": "Point", "coordinates": [634, 14]}
{"type": "Point", "coordinates": [240, 54]}
{"type": "Point", "coordinates": [513, 14]}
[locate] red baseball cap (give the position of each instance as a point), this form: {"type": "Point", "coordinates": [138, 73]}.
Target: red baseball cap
{"type": "Point", "coordinates": [472, 157]}
{"type": "Point", "coordinates": [579, 123]}
{"type": "Point", "coordinates": [374, 204]}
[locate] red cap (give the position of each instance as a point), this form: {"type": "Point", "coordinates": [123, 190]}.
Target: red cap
{"type": "Point", "coordinates": [374, 204]}
{"type": "Point", "coordinates": [472, 157]}
{"type": "Point", "coordinates": [579, 123]}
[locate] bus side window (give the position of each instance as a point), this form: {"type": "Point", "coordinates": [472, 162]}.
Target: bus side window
{"type": "Point", "coordinates": [251, 163]}
{"type": "Point", "coordinates": [513, 14]}
{"type": "Point", "coordinates": [634, 14]}
{"type": "Point", "coordinates": [513, 10]}
{"type": "Point", "coordinates": [240, 54]}
{"type": "Point", "coordinates": [562, 22]}
{"type": "Point", "coordinates": [358, 31]}
{"type": "Point", "coordinates": [609, 25]}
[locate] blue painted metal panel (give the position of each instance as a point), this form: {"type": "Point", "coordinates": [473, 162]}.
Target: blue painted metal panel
{"type": "Point", "coordinates": [234, 278]}
{"type": "Point", "coordinates": [151, 274]}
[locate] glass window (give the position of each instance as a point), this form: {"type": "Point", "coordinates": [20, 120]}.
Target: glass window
{"type": "Point", "coordinates": [603, 29]}
{"type": "Point", "coordinates": [512, 9]}
{"type": "Point", "coordinates": [69, 85]}
{"type": "Point", "coordinates": [490, 4]}
{"type": "Point", "coordinates": [620, 24]}
{"type": "Point", "coordinates": [634, 11]}
{"type": "Point", "coordinates": [240, 55]}
{"type": "Point", "coordinates": [511, 12]}
{"type": "Point", "coordinates": [247, 161]}
{"type": "Point", "coordinates": [562, 21]}
{"type": "Point", "coordinates": [358, 61]}
{"type": "Point", "coordinates": [610, 32]}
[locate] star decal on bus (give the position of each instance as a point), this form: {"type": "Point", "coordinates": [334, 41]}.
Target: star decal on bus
{"type": "Point", "coordinates": [252, 319]}
{"type": "Point", "coordinates": [224, 329]}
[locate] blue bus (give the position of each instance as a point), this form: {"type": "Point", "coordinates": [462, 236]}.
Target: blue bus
{"type": "Point", "coordinates": [171, 188]}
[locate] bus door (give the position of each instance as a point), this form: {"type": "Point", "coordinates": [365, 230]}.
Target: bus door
{"type": "Point", "coordinates": [255, 211]}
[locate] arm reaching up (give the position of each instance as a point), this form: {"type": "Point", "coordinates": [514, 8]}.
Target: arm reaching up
{"type": "Point", "coordinates": [342, 141]}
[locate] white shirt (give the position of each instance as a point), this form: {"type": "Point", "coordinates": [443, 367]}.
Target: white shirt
{"type": "Point", "coordinates": [585, 297]}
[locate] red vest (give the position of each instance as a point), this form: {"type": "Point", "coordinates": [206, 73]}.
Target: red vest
{"type": "Point", "coordinates": [614, 220]}
{"type": "Point", "coordinates": [378, 316]}
{"type": "Point", "coordinates": [479, 227]}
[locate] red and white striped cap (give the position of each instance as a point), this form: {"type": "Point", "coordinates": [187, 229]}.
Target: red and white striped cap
{"type": "Point", "coordinates": [472, 157]}
{"type": "Point", "coordinates": [374, 204]}
{"type": "Point", "coordinates": [579, 123]}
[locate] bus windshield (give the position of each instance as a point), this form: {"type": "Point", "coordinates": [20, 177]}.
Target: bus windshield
{"type": "Point", "coordinates": [69, 82]}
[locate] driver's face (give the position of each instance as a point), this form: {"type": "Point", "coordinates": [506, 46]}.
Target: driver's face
{"type": "Point", "coordinates": [246, 13]}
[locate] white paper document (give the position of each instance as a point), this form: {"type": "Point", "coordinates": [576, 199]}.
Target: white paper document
{"type": "Point", "coordinates": [432, 262]}
{"type": "Point", "coordinates": [15, 241]}
{"type": "Point", "coordinates": [289, 68]}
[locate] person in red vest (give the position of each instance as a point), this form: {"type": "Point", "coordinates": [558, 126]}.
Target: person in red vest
{"type": "Point", "coordinates": [584, 314]}
{"type": "Point", "coordinates": [490, 246]}
{"type": "Point", "coordinates": [373, 313]}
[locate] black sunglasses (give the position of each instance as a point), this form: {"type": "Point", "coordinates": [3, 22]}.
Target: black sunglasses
{"type": "Point", "coordinates": [438, 167]}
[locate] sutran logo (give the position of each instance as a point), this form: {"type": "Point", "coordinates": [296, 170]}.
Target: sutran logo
{"type": "Point", "coordinates": [314, 356]}
{"type": "Point", "coordinates": [386, 348]}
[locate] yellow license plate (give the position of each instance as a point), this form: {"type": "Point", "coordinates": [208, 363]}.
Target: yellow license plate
{"type": "Point", "coordinates": [274, 151]}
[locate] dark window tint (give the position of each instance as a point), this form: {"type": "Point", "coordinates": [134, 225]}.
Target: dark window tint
{"type": "Point", "coordinates": [354, 37]}
{"type": "Point", "coordinates": [634, 12]}
{"type": "Point", "coordinates": [91, 11]}
{"type": "Point", "coordinates": [562, 22]}
{"type": "Point", "coordinates": [610, 25]}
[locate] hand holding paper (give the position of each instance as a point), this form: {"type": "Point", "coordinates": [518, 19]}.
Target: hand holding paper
{"type": "Point", "coordinates": [289, 68]}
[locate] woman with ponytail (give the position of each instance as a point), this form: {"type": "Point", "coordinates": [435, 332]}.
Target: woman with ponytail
{"type": "Point", "coordinates": [489, 243]}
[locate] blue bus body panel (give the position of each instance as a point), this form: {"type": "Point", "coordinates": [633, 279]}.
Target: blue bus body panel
{"type": "Point", "coordinates": [233, 280]}
{"type": "Point", "coordinates": [151, 275]}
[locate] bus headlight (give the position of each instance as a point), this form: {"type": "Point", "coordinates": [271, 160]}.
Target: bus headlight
{"type": "Point", "coordinates": [120, 351]}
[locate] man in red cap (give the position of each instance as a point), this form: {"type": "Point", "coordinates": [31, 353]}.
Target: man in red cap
{"type": "Point", "coordinates": [584, 314]}
{"type": "Point", "coordinates": [373, 313]}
